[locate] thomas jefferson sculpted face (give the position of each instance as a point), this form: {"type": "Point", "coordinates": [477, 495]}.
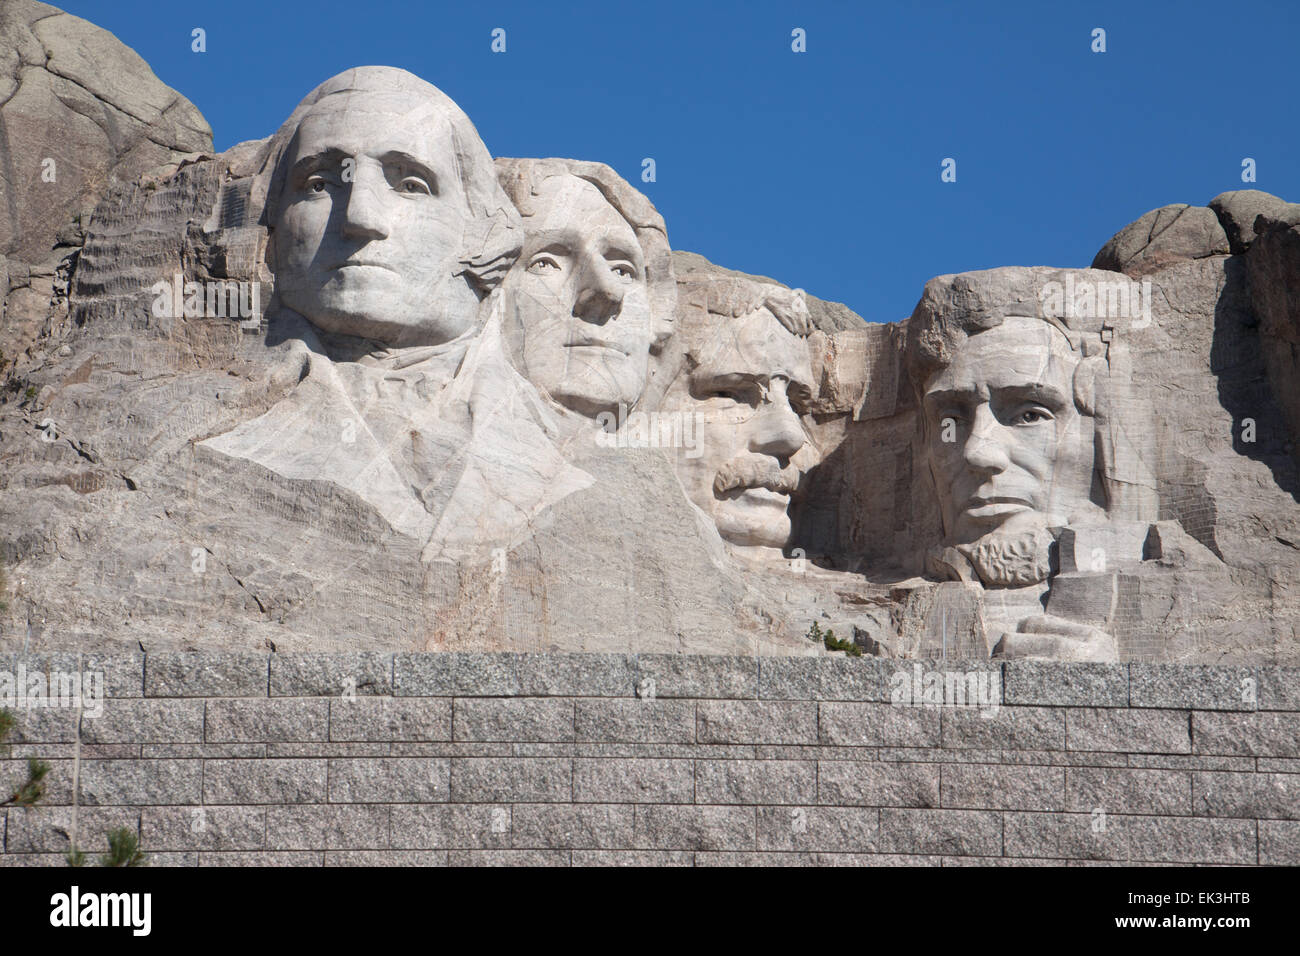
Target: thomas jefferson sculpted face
{"type": "Point", "coordinates": [1007, 445]}
{"type": "Point", "coordinates": [369, 225]}
{"type": "Point", "coordinates": [578, 318]}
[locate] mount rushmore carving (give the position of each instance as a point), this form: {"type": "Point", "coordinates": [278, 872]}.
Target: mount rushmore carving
{"type": "Point", "coordinates": [481, 404]}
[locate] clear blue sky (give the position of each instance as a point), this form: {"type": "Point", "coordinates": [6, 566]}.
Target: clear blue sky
{"type": "Point", "coordinates": [820, 169]}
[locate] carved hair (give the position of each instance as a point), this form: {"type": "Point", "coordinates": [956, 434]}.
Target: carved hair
{"type": "Point", "coordinates": [493, 236]}
{"type": "Point", "coordinates": [521, 179]}
{"type": "Point", "coordinates": [955, 307]}
{"type": "Point", "coordinates": [735, 296]}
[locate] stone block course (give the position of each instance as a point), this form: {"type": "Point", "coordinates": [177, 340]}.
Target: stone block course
{"type": "Point", "coordinates": [1014, 728]}
{"type": "Point", "coordinates": [332, 675]}
{"type": "Point", "coordinates": [511, 779]}
{"type": "Point", "coordinates": [700, 677]}
{"type": "Point", "coordinates": [1128, 791]}
{"type": "Point", "coordinates": [259, 721]}
{"type": "Point", "coordinates": [1143, 731]}
{"type": "Point", "coordinates": [206, 675]}
{"type": "Point", "coordinates": [818, 829]}
{"type": "Point", "coordinates": [146, 722]}
{"type": "Point", "coordinates": [877, 784]}
{"type": "Point", "coordinates": [998, 787]}
{"type": "Point", "coordinates": [951, 832]}
{"type": "Point", "coordinates": [1065, 685]}
{"type": "Point", "coordinates": [333, 827]}
{"type": "Point", "coordinates": [389, 779]}
{"type": "Point", "coordinates": [272, 780]}
{"type": "Point", "coordinates": [878, 725]}
{"type": "Point", "coordinates": [637, 780]}
{"type": "Point", "coordinates": [1198, 687]}
{"type": "Point", "coordinates": [1263, 734]}
{"type": "Point", "coordinates": [390, 719]}
{"type": "Point", "coordinates": [814, 678]}
{"type": "Point", "coordinates": [756, 722]}
{"type": "Point", "coordinates": [755, 781]}
{"type": "Point", "coordinates": [617, 760]}
{"type": "Point", "coordinates": [517, 719]}
{"type": "Point", "coordinates": [635, 721]}
{"type": "Point", "coordinates": [1130, 839]}
{"type": "Point", "coordinates": [203, 828]}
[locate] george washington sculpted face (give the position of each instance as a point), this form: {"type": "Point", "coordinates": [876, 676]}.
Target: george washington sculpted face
{"type": "Point", "coordinates": [370, 223]}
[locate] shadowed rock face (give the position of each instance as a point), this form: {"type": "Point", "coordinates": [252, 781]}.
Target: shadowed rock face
{"type": "Point", "coordinates": [79, 111]}
{"type": "Point", "coordinates": [483, 405]}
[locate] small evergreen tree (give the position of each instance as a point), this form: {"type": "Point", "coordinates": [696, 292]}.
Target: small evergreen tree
{"type": "Point", "coordinates": [828, 640]}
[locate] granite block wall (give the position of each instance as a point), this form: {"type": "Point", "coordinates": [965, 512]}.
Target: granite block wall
{"type": "Point", "coordinates": [576, 759]}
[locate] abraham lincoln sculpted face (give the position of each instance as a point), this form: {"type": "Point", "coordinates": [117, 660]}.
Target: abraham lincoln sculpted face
{"type": "Point", "coordinates": [1015, 435]}
{"type": "Point", "coordinates": [1006, 443]}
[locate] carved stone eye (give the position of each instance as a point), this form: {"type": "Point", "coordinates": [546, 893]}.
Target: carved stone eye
{"type": "Point", "coordinates": [1031, 416]}
{"type": "Point", "coordinates": [740, 394]}
{"type": "Point", "coordinates": [542, 265]}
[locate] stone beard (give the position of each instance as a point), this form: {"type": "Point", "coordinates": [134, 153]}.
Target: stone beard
{"type": "Point", "coordinates": [746, 379]}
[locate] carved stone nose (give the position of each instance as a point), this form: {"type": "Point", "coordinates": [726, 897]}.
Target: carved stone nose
{"type": "Point", "coordinates": [984, 449]}
{"type": "Point", "coordinates": [597, 303]}
{"type": "Point", "coordinates": [776, 429]}
{"type": "Point", "coordinates": [363, 217]}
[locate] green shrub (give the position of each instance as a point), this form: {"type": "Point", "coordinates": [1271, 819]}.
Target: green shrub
{"type": "Point", "coordinates": [123, 849]}
{"type": "Point", "coordinates": [828, 640]}
{"type": "Point", "coordinates": [33, 788]}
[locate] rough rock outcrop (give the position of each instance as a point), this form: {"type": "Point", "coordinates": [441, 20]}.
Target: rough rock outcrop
{"type": "Point", "coordinates": [79, 111]}
{"type": "Point", "coordinates": [828, 317]}
{"type": "Point", "coordinates": [1237, 211]}
{"type": "Point", "coordinates": [1162, 237]}
{"type": "Point", "coordinates": [1273, 265]}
